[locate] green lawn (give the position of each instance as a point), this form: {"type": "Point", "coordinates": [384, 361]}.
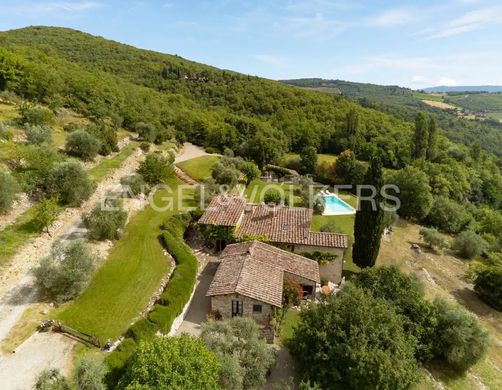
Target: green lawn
{"type": "Point", "coordinates": [24, 227]}
{"type": "Point", "coordinates": [257, 188]}
{"type": "Point", "coordinates": [123, 285]}
{"type": "Point", "coordinates": [344, 224]}
{"type": "Point", "coordinates": [321, 158]}
{"type": "Point", "coordinates": [291, 319]}
{"type": "Point", "coordinates": [199, 168]}
{"type": "Point", "coordinates": [107, 165]}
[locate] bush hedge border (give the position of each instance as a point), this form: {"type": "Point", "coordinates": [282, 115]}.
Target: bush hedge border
{"type": "Point", "coordinates": [171, 302]}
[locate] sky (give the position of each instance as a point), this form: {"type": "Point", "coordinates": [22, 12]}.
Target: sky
{"type": "Point", "coordinates": [408, 43]}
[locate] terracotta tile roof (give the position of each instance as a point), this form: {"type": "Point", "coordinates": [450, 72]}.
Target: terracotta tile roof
{"type": "Point", "coordinates": [280, 224]}
{"type": "Point", "coordinates": [223, 211]}
{"type": "Point", "coordinates": [331, 240]}
{"type": "Point", "coordinates": [256, 270]}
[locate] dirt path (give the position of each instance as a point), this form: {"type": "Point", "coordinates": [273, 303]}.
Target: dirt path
{"type": "Point", "coordinates": [19, 370]}
{"type": "Point", "coordinates": [190, 151]}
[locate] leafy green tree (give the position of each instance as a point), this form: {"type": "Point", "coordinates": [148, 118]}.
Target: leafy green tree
{"type": "Point", "coordinates": [353, 129]}
{"type": "Point", "coordinates": [225, 173]}
{"type": "Point", "coordinates": [406, 294]}
{"type": "Point", "coordinates": [432, 140]}
{"type": "Point", "coordinates": [106, 133]}
{"type": "Point", "coordinates": [89, 374]}
{"type": "Point", "coordinates": [421, 136]}
{"type": "Point", "coordinates": [250, 170]}
{"type": "Point", "coordinates": [172, 363]}
{"type": "Point", "coordinates": [37, 135]}
{"type": "Point", "coordinates": [51, 379]}
{"type": "Point", "coordinates": [308, 158]}
{"type": "Point", "coordinates": [238, 344]}
{"type": "Point", "coordinates": [146, 131]}
{"type": "Point", "coordinates": [468, 244]}
{"type": "Point", "coordinates": [414, 192]}
{"type": "Point", "coordinates": [83, 145]}
{"type": "Point", "coordinates": [488, 284]}
{"type": "Point", "coordinates": [65, 273]}
{"type": "Point", "coordinates": [46, 213]}
{"type": "Point", "coordinates": [433, 238]}
{"type": "Point", "coordinates": [264, 149]}
{"type": "Point", "coordinates": [106, 220]}
{"type": "Point", "coordinates": [354, 341]}
{"type": "Point", "coordinates": [273, 196]}
{"type": "Point", "coordinates": [368, 226]}
{"type": "Point", "coordinates": [448, 215]}
{"type": "Point", "coordinates": [156, 168]}
{"type": "Point", "coordinates": [69, 182]}
{"type": "Point", "coordinates": [461, 341]}
{"type": "Point", "coordinates": [8, 191]}
{"type": "Point", "coordinates": [347, 170]}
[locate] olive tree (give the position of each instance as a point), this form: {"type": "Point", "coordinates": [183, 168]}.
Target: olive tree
{"type": "Point", "coordinates": [468, 244]}
{"type": "Point", "coordinates": [65, 272]}
{"type": "Point", "coordinates": [244, 356]}
{"type": "Point", "coordinates": [106, 219]}
{"type": "Point", "coordinates": [69, 182]}
{"type": "Point", "coordinates": [83, 145]}
{"type": "Point", "coordinates": [8, 191]}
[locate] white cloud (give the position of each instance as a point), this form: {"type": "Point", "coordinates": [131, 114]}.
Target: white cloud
{"type": "Point", "coordinates": [56, 8]}
{"type": "Point", "coordinates": [470, 21]}
{"type": "Point", "coordinates": [391, 17]}
{"type": "Point", "coordinates": [270, 59]}
{"type": "Point", "coordinates": [446, 81]}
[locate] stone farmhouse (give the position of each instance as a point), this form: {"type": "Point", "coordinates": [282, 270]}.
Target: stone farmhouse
{"type": "Point", "coordinates": [250, 278]}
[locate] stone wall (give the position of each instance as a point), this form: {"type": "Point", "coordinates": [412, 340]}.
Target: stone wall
{"type": "Point", "coordinates": [223, 305]}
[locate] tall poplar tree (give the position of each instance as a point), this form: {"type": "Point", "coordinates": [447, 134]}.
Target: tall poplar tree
{"type": "Point", "coordinates": [421, 136]}
{"type": "Point", "coordinates": [369, 224]}
{"type": "Point", "coordinates": [431, 144]}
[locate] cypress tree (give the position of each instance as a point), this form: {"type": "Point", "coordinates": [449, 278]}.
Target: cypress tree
{"type": "Point", "coordinates": [369, 225]}
{"type": "Point", "coordinates": [421, 137]}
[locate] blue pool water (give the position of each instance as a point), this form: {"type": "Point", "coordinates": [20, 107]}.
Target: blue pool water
{"type": "Point", "coordinates": [336, 206]}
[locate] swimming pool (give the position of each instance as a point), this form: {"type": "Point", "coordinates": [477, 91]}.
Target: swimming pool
{"type": "Point", "coordinates": [336, 206]}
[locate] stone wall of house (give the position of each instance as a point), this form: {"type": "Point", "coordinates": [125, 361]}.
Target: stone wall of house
{"type": "Point", "coordinates": [310, 248]}
{"type": "Point", "coordinates": [223, 305]}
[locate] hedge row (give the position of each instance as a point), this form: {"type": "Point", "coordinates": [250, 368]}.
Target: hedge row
{"type": "Point", "coordinates": [171, 302]}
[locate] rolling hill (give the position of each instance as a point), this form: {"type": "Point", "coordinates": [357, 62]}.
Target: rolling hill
{"type": "Point", "coordinates": [476, 88]}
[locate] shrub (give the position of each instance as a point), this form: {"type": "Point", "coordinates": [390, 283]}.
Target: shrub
{"type": "Point", "coordinates": [321, 258]}
{"type": "Point", "coordinates": [106, 133]}
{"type": "Point", "coordinates": [72, 126]}
{"type": "Point", "coordinates": [37, 135]}
{"type": "Point", "coordinates": [156, 168]}
{"type": "Point", "coordinates": [65, 272]}
{"type": "Point", "coordinates": [164, 134]}
{"type": "Point", "coordinates": [488, 284]}
{"type": "Point", "coordinates": [460, 340]}
{"type": "Point", "coordinates": [117, 360]}
{"type": "Point", "coordinates": [5, 133]}
{"type": "Point", "coordinates": [106, 220]}
{"type": "Point", "coordinates": [273, 196]}
{"type": "Point", "coordinates": [468, 244]}
{"type": "Point", "coordinates": [354, 341]}
{"type": "Point", "coordinates": [133, 185]}
{"type": "Point", "coordinates": [390, 218]}
{"type": "Point", "coordinates": [292, 292]}
{"type": "Point", "coordinates": [69, 182]}
{"type": "Point", "coordinates": [83, 145]}
{"type": "Point", "coordinates": [181, 362]}
{"type": "Point", "coordinates": [245, 355]}
{"type": "Point", "coordinates": [46, 213]}
{"type": "Point", "coordinates": [8, 191]}
{"type": "Point", "coordinates": [433, 238]}
{"type": "Point", "coordinates": [89, 374]}
{"type": "Point", "coordinates": [51, 379]}
{"type": "Point", "coordinates": [225, 174]}
{"type": "Point", "coordinates": [145, 147]}
{"type": "Point", "coordinates": [34, 115]}
{"type": "Point", "coordinates": [319, 205]}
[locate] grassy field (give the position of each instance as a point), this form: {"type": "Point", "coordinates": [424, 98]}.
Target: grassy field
{"type": "Point", "coordinates": [123, 285]}
{"type": "Point", "coordinates": [24, 227]}
{"type": "Point", "coordinates": [321, 158]}
{"type": "Point", "coordinates": [199, 168]}
{"type": "Point", "coordinates": [438, 97]}
{"type": "Point", "coordinates": [256, 190]}
{"type": "Point", "coordinates": [440, 104]}
{"type": "Point", "coordinates": [107, 165]}
{"type": "Point", "coordinates": [291, 319]}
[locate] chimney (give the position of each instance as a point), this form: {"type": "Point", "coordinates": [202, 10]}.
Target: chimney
{"type": "Point", "coordinates": [272, 210]}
